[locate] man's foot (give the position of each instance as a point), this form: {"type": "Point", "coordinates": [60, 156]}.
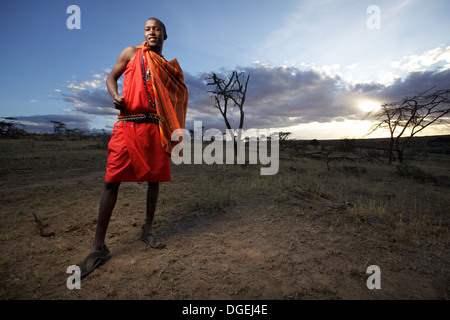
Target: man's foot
{"type": "Point", "coordinates": [94, 260]}
{"type": "Point", "coordinates": [151, 240]}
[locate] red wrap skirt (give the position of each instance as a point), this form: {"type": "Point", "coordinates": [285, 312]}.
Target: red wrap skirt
{"type": "Point", "coordinates": [135, 154]}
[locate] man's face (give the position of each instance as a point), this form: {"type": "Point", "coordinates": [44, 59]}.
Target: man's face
{"type": "Point", "coordinates": [154, 34]}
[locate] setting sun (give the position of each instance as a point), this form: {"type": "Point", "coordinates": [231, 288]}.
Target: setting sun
{"type": "Point", "coordinates": [368, 106]}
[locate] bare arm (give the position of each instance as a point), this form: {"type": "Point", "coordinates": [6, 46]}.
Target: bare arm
{"type": "Point", "coordinates": [111, 81]}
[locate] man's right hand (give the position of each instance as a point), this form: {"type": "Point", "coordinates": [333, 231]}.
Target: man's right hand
{"type": "Point", "coordinates": [119, 68]}
{"type": "Point", "coordinates": [118, 102]}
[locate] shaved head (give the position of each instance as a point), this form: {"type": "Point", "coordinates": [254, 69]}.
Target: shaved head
{"type": "Point", "coordinates": [163, 27]}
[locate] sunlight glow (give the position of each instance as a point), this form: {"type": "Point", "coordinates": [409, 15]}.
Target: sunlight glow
{"type": "Point", "coordinates": [368, 106]}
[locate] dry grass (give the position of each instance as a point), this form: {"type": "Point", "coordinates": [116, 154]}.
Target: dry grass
{"type": "Point", "coordinates": [231, 232]}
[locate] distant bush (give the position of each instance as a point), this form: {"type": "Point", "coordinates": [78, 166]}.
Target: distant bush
{"type": "Point", "coordinates": [413, 172]}
{"type": "Point", "coordinates": [439, 150]}
{"type": "Point", "coordinates": [347, 145]}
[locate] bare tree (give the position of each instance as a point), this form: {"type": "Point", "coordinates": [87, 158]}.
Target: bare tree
{"type": "Point", "coordinates": [406, 118]}
{"type": "Point", "coordinates": [230, 92]}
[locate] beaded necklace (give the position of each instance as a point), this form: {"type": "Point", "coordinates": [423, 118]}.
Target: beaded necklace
{"type": "Point", "coordinates": [146, 76]}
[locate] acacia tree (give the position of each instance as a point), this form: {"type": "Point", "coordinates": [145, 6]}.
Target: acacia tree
{"type": "Point", "coordinates": [10, 127]}
{"type": "Point", "coordinates": [406, 118]}
{"type": "Point", "coordinates": [58, 127]}
{"type": "Point", "coordinates": [229, 93]}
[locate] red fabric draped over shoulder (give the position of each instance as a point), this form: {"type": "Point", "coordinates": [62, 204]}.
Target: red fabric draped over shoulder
{"type": "Point", "coordinates": [171, 95]}
{"type": "Point", "coordinates": [141, 152]}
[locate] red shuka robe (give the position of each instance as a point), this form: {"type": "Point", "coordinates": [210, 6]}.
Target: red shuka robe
{"type": "Point", "coordinates": [137, 152]}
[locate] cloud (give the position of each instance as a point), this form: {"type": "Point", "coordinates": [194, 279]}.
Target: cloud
{"type": "Point", "coordinates": [279, 96]}
{"type": "Point", "coordinates": [93, 102]}
{"type": "Point", "coordinates": [435, 58]}
{"type": "Point", "coordinates": [90, 96]}
{"type": "Point", "coordinates": [86, 99]}
{"type": "Point", "coordinates": [41, 123]}
{"type": "Point", "coordinates": [94, 84]}
{"type": "Point", "coordinates": [414, 83]}
{"type": "Point", "coordinates": [288, 95]}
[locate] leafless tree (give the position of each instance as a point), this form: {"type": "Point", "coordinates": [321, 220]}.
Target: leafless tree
{"type": "Point", "coordinates": [229, 93]}
{"type": "Point", "coordinates": [406, 118]}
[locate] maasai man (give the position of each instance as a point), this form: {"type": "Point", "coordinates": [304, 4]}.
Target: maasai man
{"type": "Point", "coordinates": [152, 105]}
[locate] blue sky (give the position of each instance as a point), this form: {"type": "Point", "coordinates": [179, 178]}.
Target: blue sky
{"type": "Point", "coordinates": [315, 66]}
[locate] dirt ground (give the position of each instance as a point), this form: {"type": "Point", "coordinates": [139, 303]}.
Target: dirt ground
{"type": "Point", "coordinates": [260, 242]}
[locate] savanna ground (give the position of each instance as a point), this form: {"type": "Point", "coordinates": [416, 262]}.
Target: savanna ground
{"type": "Point", "coordinates": [308, 232]}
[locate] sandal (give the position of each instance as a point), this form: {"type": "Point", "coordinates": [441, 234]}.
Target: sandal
{"type": "Point", "coordinates": [100, 257]}
{"type": "Point", "coordinates": [154, 243]}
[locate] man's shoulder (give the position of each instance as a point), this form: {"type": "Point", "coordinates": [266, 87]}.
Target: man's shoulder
{"type": "Point", "coordinates": [128, 53]}
{"type": "Point", "coordinates": [130, 49]}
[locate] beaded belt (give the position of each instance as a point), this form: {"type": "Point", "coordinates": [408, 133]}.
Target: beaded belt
{"type": "Point", "coordinates": [149, 117]}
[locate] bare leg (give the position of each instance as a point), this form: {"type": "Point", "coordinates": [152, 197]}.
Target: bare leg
{"type": "Point", "coordinates": [107, 203]}
{"type": "Point", "coordinates": [97, 255]}
{"type": "Point", "coordinates": [152, 199]}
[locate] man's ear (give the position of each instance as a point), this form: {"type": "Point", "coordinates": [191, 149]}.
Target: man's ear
{"type": "Point", "coordinates": [165, 36]}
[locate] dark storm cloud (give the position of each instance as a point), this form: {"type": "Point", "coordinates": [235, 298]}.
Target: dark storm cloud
{"type": "Point", "coordinates": [91, 101]}
{"type": "Point", "coordinates": [90, 97]}
{"type": "Point", "coordinates": [41, 123]}
{"type": "Point", "coordinates": [413, 84]}
{"type": "Point", "coordinates": [416, 83]}
{"type": "Point", "coordinates": [277, 96]}
{"type": "Point", "coordinates": [285, 96]}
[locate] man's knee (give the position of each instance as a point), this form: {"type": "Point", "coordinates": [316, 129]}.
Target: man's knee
{"type": "Point", "coordinates": [112, 186]}
{"type": "Point", "coordinates": [153, 185]}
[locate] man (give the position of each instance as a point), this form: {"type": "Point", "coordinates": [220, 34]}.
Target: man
{"type": "Point", "coordinates": [152, 106]}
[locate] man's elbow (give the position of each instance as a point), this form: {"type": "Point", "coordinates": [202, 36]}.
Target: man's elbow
{"type": "Point", "coordinates": [111, 80]}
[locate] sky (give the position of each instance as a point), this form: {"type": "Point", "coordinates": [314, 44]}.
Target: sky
{"type": "Point", "coordinates": [316, 67]}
